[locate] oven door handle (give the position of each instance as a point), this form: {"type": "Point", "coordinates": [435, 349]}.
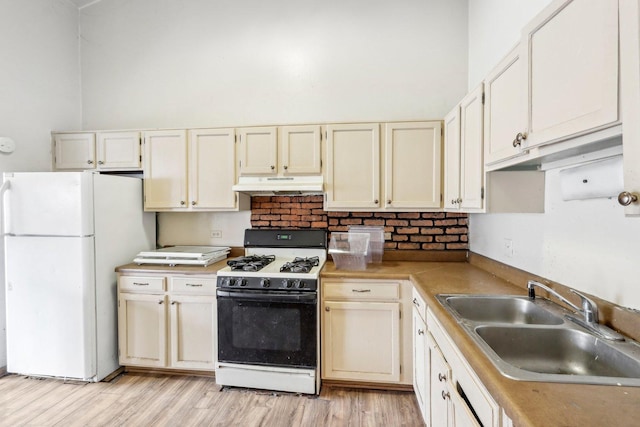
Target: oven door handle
{"type": "Point", "coordinates": [269, 296]}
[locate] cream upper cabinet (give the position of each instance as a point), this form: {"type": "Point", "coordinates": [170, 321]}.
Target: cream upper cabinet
{"type": "Point", "coordinates": [630, 99]}
{"type": "Point", "coordinates": [119, 150]}
{"type": "Point", "coordinates": [504, 116]}
{"type": "Point", "coordinates": [101, 151]}
{"type": "Point", "coordinates": [212, 169]}
{"type": "Point", "coordinates": [412, 165]}
{"type": "Point", "coordinates": [570, 64]}
{"type": "Point", "coordinates": [471, 151]}
{"type": "Point", "coordinates": [74, 150]}
{"type": "Point", "coordinates": [463, 152]}
{"type": "Point", "coordinates": [452, 159]}
{"type": "Point", "coordinates": [191, 174]}
{"type": "Point", "coordinates": [165, 169]}
{"type": "Point", "coordinates": [285, 150]}
{"type": "Point", "coordinates": [258, 151]}
{"type": "Point", "coordinates": [353, 166]}
{"type": "Point", "coordinates": [299, 149]}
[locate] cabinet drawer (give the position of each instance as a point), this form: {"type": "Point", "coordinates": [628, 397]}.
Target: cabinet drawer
{"type": "Point", "coordinates": [418, 304]}
{"type": "Point", "coordinates": [141, 283]}
{"type": "Point", "coordinates": [192, 285]}
{"type": "Point", "coordinates": [362, 291]}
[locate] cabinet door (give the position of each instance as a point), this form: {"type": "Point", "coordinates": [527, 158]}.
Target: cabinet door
{"type": "Point", "coordinates": [570, 62]}
{"type": "Point", "coordinates": [165, 169]}
{"type": "Point", "coordinates": [361, 341]}
{"type": "Point", "coordinates": [630, 98]}
{"type": "Point", "coordinates": [118, 150]}
{"type": "Point", "coordinates": [421, 383]}
{"type": "Point", "coordinates": [440, 376]}
{"type": "Point", "coordinates": [75, 150]}
{"type": "Point", "coordinates": [353, 166]}
{"type": "Point", "coordinates": [258, 151]}
{"type": "Point", "coordinates": [212, 170]}
{"type": "Point", "coordinates": [471, 150]}
{"type": "Point", "coordinates": [412, 158]}
{"type": "Point", "coordinates": [142, 329]}
{"type": "Point", "coordinates": [299, 150]}
{"type": "Point", "coordinates": [504, 109]}
{"type": "Point", "coordinates": [452, 160]}
{"type": "Point", "coordinates": [461, 415]}
{"type": "Point", "coordinates": [192, 339]}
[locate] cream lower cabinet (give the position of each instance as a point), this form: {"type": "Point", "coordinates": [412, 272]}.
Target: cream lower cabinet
{"type": "Point", "coordinates": [365, 338]}
{"type": "Point", "coordinates": [421, 360]}
{"type": "Point", "coordinates": [167, 322]}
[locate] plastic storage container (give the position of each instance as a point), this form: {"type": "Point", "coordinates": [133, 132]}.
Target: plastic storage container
{"type": "Point", "coordinates": [376, 240]}
{"type": "Point", "coordinates": [349, 250]}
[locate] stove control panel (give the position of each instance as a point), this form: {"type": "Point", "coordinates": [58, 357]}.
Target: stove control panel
{"type": "Point", "coordinates": [266, 283]}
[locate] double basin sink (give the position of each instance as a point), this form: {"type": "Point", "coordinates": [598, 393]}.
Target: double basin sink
{"type": "Point", "coordinates": [533, 340]}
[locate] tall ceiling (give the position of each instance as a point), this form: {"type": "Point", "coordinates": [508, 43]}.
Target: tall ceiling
{"type": "Point", "coordinates": [83, 3]}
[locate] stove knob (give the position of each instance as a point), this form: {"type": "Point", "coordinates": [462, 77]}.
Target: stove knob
{"type": "Point", "coordinates": [296, 283]}
{"type": "Point", "coordinates": [299, 284]}
{"type": "Point", "coordinates": [232, 281]}
{"type": "Point", "coordinates": [264, 283]}
{"type": "Point", "coordinates": [226, 282]}
{"type": "Point", "coordinates": [241, 282]}
{"type": "Point", "coordinates": [286, 283]}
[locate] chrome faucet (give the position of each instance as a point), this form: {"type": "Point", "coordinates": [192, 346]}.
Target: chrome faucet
{"type": "Point", "coordinates": [589, 311]}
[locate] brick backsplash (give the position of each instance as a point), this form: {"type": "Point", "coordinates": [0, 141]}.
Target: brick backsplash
{"type": "Point", "coordinates": [409, 230]}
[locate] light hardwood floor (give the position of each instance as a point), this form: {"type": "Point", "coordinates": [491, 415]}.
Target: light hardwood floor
{"type": "Point", "coordinates": [135, 399]}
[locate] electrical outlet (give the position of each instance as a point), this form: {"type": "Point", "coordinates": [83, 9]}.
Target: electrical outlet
{"type": "Point", "coordinates": [508, 248]}
{"type": "Point", "coordinates": [216, 234]}
{"type": "Point", "coordinates": [387, 235]}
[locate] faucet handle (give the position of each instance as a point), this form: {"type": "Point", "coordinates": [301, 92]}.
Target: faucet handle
{"type": "Point", "coordinates": [589, 307]}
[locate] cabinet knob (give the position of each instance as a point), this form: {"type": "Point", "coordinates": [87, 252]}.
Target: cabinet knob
{"type": "Point", "coordinates": [285, 167]}
{"type": "Point", "coordinates": [625, 198]}
{"type": "Point", "coordinates": [388, 202]}
{"type": "Point", "coordinates": [420, 332]}
{"type": "Point", "coordinates": [441, 377]}
{"type": "Point", "coordinates": [446, 395]}
{"type": "Point", "coordinates": [272, 167]}
{"type": "Point", "coordinates": [182, 202]}
{"type": "Point", "coordinates": [89, 162]}
{"type": "Point", "coordinates": [100, 162]}
{"type": "Point", "coordinates": [160, 302]}
{"type": "Point", "coordinates": [173, 303]}
{"type": "Point", "coordinates": [521, 136]}
{"type": "Point", "coordinates": [459, 200]}
{"type": "Point", "coordinates": [327, 309]}
{"type": "Point", "coordinates": [376, 201]}
{"type": "Point", "coordinates": [415, 302]}
{"type": "Point", "coordinates": [193, 203]}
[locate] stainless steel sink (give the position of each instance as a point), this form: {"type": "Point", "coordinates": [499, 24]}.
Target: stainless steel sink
{"type": "Point", "coordinates": [566, 354]}
{"type": "Point", "coordinates": [502, 309]}
{"type": "Point", "coordinates": [532, 340]}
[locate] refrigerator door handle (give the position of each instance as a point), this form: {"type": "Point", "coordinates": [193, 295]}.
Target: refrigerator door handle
{"type": "Point", "coordinates": [5, 186]}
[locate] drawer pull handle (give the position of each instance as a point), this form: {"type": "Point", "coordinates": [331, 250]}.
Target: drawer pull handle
{"type": "Point", "coordinates": [441, 377]}
{"type": "Point", "coordinates": [446, 395]}
{"type": "Point", "coordinates": [196, 285]}
{"type": "Point", "coordinates": [140, 284]}
{"type": "Point", "coordinates": [420, 332]}
{"type": "Point", "coordinates": [361, 290]}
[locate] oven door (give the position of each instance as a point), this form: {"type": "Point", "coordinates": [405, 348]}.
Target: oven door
{"type": "Point", "coordinates": [267, 328]}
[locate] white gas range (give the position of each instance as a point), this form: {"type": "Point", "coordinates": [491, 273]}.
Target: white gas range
{"type": "Point", "coordinates": [268, 312]}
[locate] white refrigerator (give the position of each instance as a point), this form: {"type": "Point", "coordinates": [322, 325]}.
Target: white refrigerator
{"type": "Point", "coordinates": [64, 233]}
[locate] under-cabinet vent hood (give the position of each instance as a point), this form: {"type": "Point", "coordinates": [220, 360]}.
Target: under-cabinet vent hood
{"type": "Point", "coordinates": [279, 184]}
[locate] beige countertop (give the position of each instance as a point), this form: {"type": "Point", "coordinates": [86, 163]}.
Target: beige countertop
{"type": "Point", "coordinates": [526, 403]}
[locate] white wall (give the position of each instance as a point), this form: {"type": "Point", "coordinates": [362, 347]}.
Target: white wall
{"type": "Point", "coordinates": [172, 63]}
{"type": "Point", "coordinates": [588, 245]}
{"type": "Point", "coordinates": [40, 89]}
{"type": "Point", "coordinates": [494, 28]}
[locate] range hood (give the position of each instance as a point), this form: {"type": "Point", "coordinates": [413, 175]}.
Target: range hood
{"type": "Point", "coordinates": [279, 185]}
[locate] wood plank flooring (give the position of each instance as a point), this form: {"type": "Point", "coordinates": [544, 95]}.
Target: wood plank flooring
{"type": "Point", "coordinates": [139, 399]}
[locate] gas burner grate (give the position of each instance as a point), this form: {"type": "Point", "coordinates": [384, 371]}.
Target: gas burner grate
{"type": "Point", "coordinates": [300, 265]}
{"type": "Point", "coordinates": [251, 262]}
